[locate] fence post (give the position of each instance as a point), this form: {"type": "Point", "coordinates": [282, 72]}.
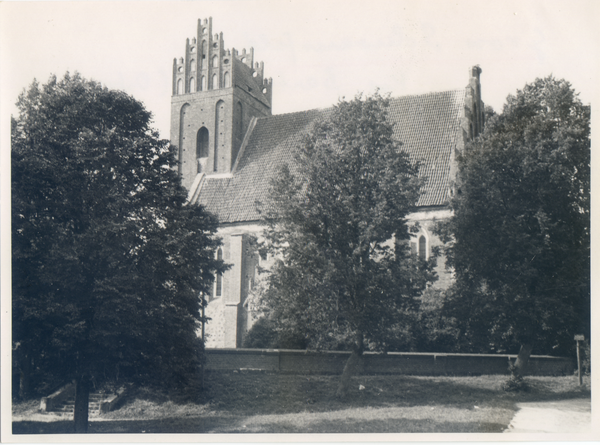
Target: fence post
{"type": "Point", "coordinates": [579, 338]}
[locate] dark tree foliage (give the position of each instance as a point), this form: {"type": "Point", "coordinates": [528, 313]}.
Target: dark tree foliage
{"type": "Point", "coordinates": [265, 334]}
{"type": "Point", "coordinates": [521, 226]}
{"type": "Point", "coordinates": [108, 261]}
{"type": "Point", "coordinates": [339, 277]}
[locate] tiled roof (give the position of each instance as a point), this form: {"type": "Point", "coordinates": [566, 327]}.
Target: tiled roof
{"type": "Point", "coordinates": [428, 126]}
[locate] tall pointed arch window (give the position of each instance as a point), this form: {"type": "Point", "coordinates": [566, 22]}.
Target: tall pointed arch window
{"type": "Point", "coordinates": [203, 83]}
{"type": "Point", "coordinates": [180, 86]}
{"type": "Point", "coordinates": [219, 128]}
{"type": "Point", "coordinates": [215, 61]}
{"type": "Point", "coordinates": [201, 146]}
{"type": "Point", "coordinates": [183, 121]}
{"type": "Point", "coordinates": [422, 248]}
{"type": "Point", "coordinates": [192, 65]}
{"type": "Point", "coordinates": [226, 80]}
{"type": "Point", "coordinates": [215, 82]}
{"type": "Point", "coordinates": [192, 85]}
{"type": "Point", "coordinates": [219, 280]}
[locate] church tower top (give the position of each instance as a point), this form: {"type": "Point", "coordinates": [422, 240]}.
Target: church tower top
{"type": "Point", "coordinates": [208, 65]}
{"type": "Point", "coordinates": [216, 94]}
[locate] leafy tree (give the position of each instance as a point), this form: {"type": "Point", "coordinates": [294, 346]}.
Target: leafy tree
{"type": "Point", "coordinates": [331, 222]}
{"type": "Point", "coordinates": [521, 226]}
{"type": "Point", "coordinates": [108, 261]}
{"type": "Point", "coordinates": [265, 334]}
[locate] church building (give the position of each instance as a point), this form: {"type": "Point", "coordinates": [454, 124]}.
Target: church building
{"type": "Point", "coordinates": [230, 145]}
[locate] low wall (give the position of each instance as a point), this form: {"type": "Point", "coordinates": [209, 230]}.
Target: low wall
{"type": "Point", "coordinates": [410, 363]}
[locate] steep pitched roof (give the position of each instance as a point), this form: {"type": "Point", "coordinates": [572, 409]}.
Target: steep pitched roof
{"type": "Point", "coordinates": [428, 126]}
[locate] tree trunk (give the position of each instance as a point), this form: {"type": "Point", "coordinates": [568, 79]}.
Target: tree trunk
{"type": "Point", "coordinates": [520, 365]}
{"type": "Point", "coordinates": [352, 366]}
{"type": "Point", "coordinates": [25, 377]}
{"type": "Point", "coordinates": [82, 399]}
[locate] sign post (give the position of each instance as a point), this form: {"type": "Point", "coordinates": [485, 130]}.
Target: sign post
{"type": "Point", "coordinates": [579, 338]}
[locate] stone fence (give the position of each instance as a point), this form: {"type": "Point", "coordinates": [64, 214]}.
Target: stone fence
{"type": "Point", "coordinates": [410, 363]}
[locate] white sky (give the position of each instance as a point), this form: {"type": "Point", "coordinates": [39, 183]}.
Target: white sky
{"type": "Point", "coordinates": [315, 51]}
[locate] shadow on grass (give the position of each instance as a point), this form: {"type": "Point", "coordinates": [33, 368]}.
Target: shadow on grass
{"type": "Point", "coordinates": [400, 426]}
{"type": "Point", "coordinates": [154, 426]}
{"type": "Point", "coordinates": [236, 425]}
{"type": "Point", "coordinates": [261, 393]}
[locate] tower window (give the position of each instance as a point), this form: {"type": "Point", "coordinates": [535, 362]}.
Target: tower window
{"type": "Point", "coordinates": [203, 83]}
{"type": "Point", "coordinates": [226, 80]}
{"type": "Point", "coordinates": [202, 143]}
{"type": "Point", "coordinates": [192, 85]}
{"type": "Point", "coordinates": [180, 86]}
{"type": "Point", "coordinates": [193, 49]}
{"type": "Point", "coordinates": [193, 65]}
{"type": "Point", "coordinates": [215, 61]}
{"type": "Point", "coordinates": [215, 82]}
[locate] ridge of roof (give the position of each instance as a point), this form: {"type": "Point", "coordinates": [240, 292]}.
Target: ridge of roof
{"type": "Point", "coordinates": [392, 98]}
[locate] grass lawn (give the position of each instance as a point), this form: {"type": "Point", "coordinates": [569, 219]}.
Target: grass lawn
{"type": "Point", "coordinates": [259, 402]}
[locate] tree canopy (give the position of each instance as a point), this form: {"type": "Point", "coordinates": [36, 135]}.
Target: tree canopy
{"type": "Point", "coordinates": [108, 261]}
{"type": "Point", "coordinates": [337, 224]}
{"type": "Point", "coordinates": [521, 226]}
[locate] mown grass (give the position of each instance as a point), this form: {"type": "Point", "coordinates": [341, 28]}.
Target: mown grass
{"type": "Point", "coordinates": [257, 402]}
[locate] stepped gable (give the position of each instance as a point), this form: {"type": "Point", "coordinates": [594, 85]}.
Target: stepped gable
{"type": "Point", "coordinates": [251, 85]}
{"type": "Point", "coordinates": [428, 126]}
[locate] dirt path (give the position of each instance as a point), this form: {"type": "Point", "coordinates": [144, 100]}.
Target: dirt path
{"type": "Point", "coordinates": [563, 416]}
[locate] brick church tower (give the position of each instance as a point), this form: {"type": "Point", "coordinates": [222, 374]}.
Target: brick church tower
{"type": "Point", "coordinates": [216, 93]}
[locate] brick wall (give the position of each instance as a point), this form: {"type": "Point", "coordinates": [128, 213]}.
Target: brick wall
{"type": "Point", "coordinates": [332, 362]}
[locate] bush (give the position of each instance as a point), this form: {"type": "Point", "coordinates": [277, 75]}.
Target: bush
{"type": "Point", "coordinates": [264, 335]}
{"type": "Point", "coordinates": [515, 384]}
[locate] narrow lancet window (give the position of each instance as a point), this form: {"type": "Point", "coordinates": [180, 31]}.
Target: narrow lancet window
{"type": "Point", "coordinates": [219, 281]}
{"type": "Point", "coordinates": [202, 144]}
{"type": "Point", "coordinates": [422, 248]}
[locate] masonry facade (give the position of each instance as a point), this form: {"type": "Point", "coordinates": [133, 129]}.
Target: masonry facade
{"type": "Point", "coordinates": [230, 145]}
